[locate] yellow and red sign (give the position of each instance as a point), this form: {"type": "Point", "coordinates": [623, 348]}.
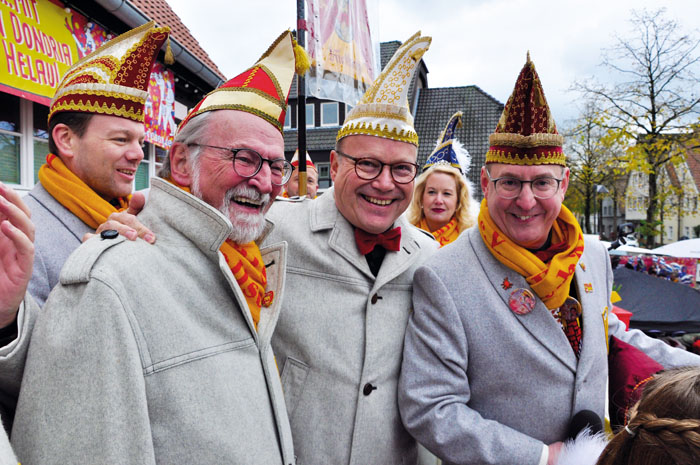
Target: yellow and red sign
{"type": "Point", "coordinates": [41, 39]}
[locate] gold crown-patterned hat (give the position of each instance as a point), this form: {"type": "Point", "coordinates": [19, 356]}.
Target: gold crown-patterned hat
{"type": "Point", "coordinates": [526, 133]}
{"type": "Point", "coordinates": [262, 89]}
{"type": "Point", "coordinates": [383, 110]}
{"type": "Point", "coordinates": [113, 80]}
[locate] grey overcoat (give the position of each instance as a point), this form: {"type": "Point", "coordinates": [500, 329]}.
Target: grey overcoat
{"type": "Point", "coordinates": [483, 385]}
{"type": "Point", "coordinates": [58, 232]}
{"type": "Point", "coordinates": [147, 354]}
{"type": "Point", "coordinates": [340, 336]}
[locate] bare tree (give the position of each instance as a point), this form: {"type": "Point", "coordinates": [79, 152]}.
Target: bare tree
{"type": "Point", "coordinates": [655, 94]}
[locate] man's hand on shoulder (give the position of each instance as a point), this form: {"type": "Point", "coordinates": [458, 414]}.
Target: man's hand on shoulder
{"type": "Point", "coordinates": [16, 253]}
{"type": "Point", "coordinates": [126, 223]}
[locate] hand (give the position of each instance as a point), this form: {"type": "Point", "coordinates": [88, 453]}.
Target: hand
{"type": "Point", "coordinates": [16, 253]}
{"type": "Point", "coordinates": [554, 451]}
{"type": "Point", "coordinates": [126, 223]}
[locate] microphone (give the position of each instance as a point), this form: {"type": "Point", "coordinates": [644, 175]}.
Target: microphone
{"type": "Point", "coordinates": [582, 420]}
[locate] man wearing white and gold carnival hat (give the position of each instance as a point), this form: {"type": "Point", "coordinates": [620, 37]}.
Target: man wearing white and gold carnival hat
{"type": "Point", "coordinates": [161, 353]}
{"type": "Point", "coordinates": [348, 289]}
{"type": "Point", "coordinates": [291, 189]}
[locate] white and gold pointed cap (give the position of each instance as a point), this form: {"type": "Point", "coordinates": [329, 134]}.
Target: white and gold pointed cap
{"type": "Point", "coordinates": [383, 110]}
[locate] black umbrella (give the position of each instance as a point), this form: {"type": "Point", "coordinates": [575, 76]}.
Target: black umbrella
{"type": "Point", "coordinates": [657, 304]}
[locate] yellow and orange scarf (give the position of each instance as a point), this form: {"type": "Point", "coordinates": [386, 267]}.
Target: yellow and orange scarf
{"type": "Point", "coordinates": [444, 235]}
{"type": "Point", "coordinates": [249, 270]}
{"type": "Point", "coordinates": [551, 280]}
{"type": "Point", "coordinates": [71, 192]}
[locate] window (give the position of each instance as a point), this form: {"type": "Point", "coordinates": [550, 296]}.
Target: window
{"type": "Point", "coordinates": [670, 232]}
{"type": "Point", "coordinates": [40, 115]}
{"type": "Point", "coordinates": [324, 175]}
{"type": "Point", "coordinates": [10, 139]}
{"type": "Point", "coordinates": [687, 231]}
{"type": "Point", "coordinates": [153, 157]}
{"type": "Point", "coordinates": [329, 114]}
{"type": "Point", "coordinates": [310, 115]}
{"type": "Point", "coordinates": [288, 118]}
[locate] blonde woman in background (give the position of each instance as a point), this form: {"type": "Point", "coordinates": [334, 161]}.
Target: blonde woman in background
{"type": "Point", "coordinates": [442, 199]}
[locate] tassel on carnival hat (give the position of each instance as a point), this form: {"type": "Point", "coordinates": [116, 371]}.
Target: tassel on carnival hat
{"type": "Point", "coordinates": [448, 150]}
{"type": "Point", "coordinates": [383, 110]}
{"type": "Point", "coordinates": [526, 133]}
{"type": "Point", "coordinates": [112, 80]}
{"type": "Point", "coordinates": [262, 89]}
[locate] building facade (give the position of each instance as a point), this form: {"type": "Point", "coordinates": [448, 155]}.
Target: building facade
{"type": "Point", "coordinates": [42, 38]}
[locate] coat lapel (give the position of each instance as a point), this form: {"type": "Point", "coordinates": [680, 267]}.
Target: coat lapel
{"type": "Point", "coordinates": [325, 215]}
{"type": "Point", "coordinates": [593, 315]}
{"type": "Point", "coordinates": [539, 322]}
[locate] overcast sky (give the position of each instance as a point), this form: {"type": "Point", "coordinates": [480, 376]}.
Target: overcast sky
{"type": "Point", "coordinates": [475, 42]}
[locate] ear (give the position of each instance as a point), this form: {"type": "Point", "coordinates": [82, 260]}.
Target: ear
{"type": "Point", "coordinates": [565, 181]}
{"type": "Point", "coordinates": [335, 160]}
{"type": "Point", "coordinates": [65, 140]}
{"type": "Point", "coordinates": [484, 180]}
{"type": "Point", "coordinates": [180, 167]}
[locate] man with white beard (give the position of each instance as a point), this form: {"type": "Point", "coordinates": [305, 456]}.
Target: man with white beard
{"type": "Point", "coordinates": [161, 353]}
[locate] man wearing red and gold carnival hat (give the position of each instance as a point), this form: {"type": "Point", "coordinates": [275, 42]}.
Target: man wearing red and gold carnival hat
{"type": "Point", "coordinates": [291, 189]}
{"type": "Point", "coordinates": [507, 345]}
{"type": "Point", "coordinates": [161, 353]}
{"type": "Point", "coordinates": [95, 137]}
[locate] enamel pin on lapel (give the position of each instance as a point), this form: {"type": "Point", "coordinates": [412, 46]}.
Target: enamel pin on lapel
{"type": "Point", "coordinates": [588, 287]}
{"type": "Point", "coordinates": [521, 301]}
{"type": "Point", "coordinates": [506, 284]}
{"type": "Point", "coordinates": [583, 266]}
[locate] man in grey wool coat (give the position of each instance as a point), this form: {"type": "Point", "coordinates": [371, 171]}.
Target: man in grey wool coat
{"type": "Point", "coordinates": [507, 341]}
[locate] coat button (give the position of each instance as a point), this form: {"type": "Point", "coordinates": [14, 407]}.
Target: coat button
{"type": "Point", "coordinates": [109, 234]}
{"type": "Point", "coordinates": [374, 299]}
{"type": "Point", "coordinates": [368, 388]}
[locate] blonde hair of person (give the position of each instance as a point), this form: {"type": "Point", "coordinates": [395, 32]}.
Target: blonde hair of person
{"type": "Point", "coordinates": [664, 427]}
{"type": "Point", "coordinates": [467, 208]}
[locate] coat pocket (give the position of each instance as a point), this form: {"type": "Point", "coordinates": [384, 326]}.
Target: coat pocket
{"type": "Point", "coordinates": [294, 375]}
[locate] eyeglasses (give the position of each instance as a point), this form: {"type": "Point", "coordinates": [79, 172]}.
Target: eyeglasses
{"type": "Point", "coordinates": [510, 188]}
{"type": "Point", "coordinates": [247, 163]}
{"type": "Point", "coordinates": [370, 168]}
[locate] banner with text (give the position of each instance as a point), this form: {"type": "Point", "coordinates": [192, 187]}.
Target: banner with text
{"type": "Point", "coordinates": [160, 107]}
{"type": "Point", "coordinates": [41, 39]}
{"type": "Point", "coordinates": [344, 58]}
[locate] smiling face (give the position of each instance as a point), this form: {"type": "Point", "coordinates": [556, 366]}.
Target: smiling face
{"type": "Point", "coordinates": [439, 200]}
{"type": "Point", "coordinates": [372, 205]}
{"type": "Point", "coordinates": [212, 178]}
{"type": "Point", "coordinates": [526, 220]}
{"type": "Point", "coordinates": [107, 155]}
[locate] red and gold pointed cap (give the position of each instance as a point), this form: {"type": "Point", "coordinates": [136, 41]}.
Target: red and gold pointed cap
{"type": "Point", "coordinates": [295, 160]}
{"type": "Point", "coordinates": [262, 89]}
{"type": "Point", "coordinates": [112, 80]}
{"type": "Point", "coordinates": [526, 133]}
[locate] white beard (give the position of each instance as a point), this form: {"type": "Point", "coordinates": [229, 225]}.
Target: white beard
{"type": "Point", "coordinates": [246, 226]}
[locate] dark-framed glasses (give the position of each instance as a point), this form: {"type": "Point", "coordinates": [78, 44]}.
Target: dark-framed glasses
{"type": "Point", "coordinates": [509, 188]}
{"type": "Point", "coordinates": [247, 163]}
{"type": "Point", "coordinates": [370, 168]}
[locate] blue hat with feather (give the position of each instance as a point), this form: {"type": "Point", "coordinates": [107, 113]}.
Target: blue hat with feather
{"type": "Point", "coordinates": [448, 150]}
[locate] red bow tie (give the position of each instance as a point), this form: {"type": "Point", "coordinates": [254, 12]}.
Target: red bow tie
{"type": "Point", "coordinates": [390, 240]}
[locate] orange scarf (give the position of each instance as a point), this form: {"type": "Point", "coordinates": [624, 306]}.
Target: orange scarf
{"type": "Point", "coordinates": [550, 281]}
{"type": "Point", "coordinates": [249, 270]}
{"type": "Point", "coordinates": [444, 235]}
{"type": "Point", "coordinates": [71, 192]}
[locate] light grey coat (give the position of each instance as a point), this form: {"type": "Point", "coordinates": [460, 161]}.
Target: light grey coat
{"type": "Point", "coordinates": [58, 232]}
{"type": "Point", "coordinates": [147, 354]}
{"type": "Point", "coordinates": [340, 329]}
{"type": "Point", "coordinates": [483, 385]}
